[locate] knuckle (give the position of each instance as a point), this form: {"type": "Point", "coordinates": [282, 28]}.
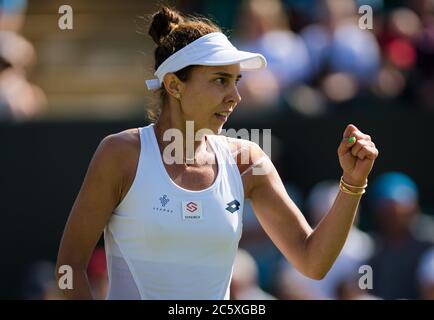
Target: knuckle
{"type": "Point", "coordinates": [360, 143]}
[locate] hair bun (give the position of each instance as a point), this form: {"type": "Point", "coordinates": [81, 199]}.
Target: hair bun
{"type": "Point", "coordinates": [163, 22]}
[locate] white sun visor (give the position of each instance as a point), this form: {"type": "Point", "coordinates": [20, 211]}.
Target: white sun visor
{"type": "Point", "coordinates": [213, 49]}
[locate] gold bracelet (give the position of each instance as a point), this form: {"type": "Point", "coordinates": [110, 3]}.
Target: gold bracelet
{"type": "Point", "coordinates": [348, 191]}
{"type": "Point", "coordinates": [350, 186]}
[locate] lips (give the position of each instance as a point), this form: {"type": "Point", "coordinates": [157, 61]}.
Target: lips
{"type": "Point", "coordinates": [223, 113]}
{"type": "Point", "coordinates": [220, 118]}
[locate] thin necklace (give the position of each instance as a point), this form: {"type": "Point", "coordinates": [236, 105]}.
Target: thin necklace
{"type": "Point", "coordinates": [194, 158]}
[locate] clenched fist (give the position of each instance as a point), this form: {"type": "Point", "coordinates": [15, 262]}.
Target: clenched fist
{"type": "Point", "coordinates": [357, 154]}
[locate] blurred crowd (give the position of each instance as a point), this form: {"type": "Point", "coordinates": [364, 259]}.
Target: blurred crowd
{"type": "Point", "coordinates": [320, 61]}
{"type": "Point", "coordinates": [19, 98]}
{"type": "Point", "coordinates": [324, 56]}
{"type": "Point", "coordinates": [398, 251]}
{"type": "Point", "coordinates": [394, 260]}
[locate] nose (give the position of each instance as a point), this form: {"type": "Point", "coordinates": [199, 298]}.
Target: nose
{"type": "Point", "coordinates": [235, 97]}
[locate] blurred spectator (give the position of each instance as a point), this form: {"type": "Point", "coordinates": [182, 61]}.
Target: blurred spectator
{"type": "Point", "coordinates": [16, 50]}
{"type": "Point", "coordinates": [398, 39]}
{"type": "Point", "coordinates": [404, 30]}
{"type": "Point", "coordinates": [425, 275]}
{"type": "Point", "coordinates": [19, 99]}
{"type": "Point", "coordinates": [350, 290]}
{"type": "Point", "coordinates": [344, 57]}
{"type": "Point", "coordinates": [12, 14]}
{"type": "Point", "coordinates": [97, 274]}
{"type": "Point", "coordinates": [244, 285]}
{"type": "Point", "coordinates": [357, 249]}
{"type": "Point", "coordinates": [265, 29]}
{"type": "Point", "coordinates": [292, 285]}
{"type": "Point", "coordinates": [38, 282]}
{"type": "Point", "coordinates": [407, 42]}
{"type": "Point", "coordinates": [425, 54]}
{"type": "Point", "coordinates": [394, 200]}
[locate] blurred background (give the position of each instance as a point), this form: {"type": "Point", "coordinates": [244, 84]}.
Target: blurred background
{"type": "Point", "coordinates": [62, 91]}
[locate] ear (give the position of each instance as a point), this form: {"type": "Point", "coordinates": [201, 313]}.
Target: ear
{"type": "Point", "coordinates": [173, 85]}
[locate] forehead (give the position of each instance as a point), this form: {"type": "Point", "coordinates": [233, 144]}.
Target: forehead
{"type": "Point", "coordinates": [233, 69]}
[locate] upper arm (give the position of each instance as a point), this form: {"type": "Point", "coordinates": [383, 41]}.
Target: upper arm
{"type": "Point", "coordinates": [99, 195]}
{"type": "Point", "coordinates": [279, 216]}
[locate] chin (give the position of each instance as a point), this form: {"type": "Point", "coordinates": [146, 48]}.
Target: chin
{"type": "Point", "coordinates": [216, 129]}
{"type": "Point", "coordinates": [219, 130]}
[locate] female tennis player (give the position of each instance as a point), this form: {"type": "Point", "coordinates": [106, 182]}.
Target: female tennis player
{"type": "Point", "coordinates": [171, 230]}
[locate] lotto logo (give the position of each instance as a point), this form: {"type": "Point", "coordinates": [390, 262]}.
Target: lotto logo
{"type": "Point", "coordinates": [191, 206]}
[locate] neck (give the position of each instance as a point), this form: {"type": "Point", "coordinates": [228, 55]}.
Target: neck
{"type": "Point", "coordinates": [171, 118]}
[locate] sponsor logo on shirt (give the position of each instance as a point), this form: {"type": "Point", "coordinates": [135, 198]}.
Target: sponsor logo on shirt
{"type": "Point", "coordinates": [233, 206]}
{"type": "Point", "coordinates": [191, 206]}
{"type": "Point", "coordinates": [192, 210]}
{"type": "Point", "coordinates": [164, 200]}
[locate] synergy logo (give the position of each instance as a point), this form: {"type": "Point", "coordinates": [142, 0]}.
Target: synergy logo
{"type": "Point", "coordinates": [192, 210]}
{"type": "Point", "coordinates": [191, 206]}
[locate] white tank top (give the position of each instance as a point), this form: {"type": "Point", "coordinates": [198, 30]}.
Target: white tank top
{"type": "Point", "coordinates": [166, 242]}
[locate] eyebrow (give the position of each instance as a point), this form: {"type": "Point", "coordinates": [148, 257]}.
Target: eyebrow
{"type": "Point", "coordinates": [228, 75]}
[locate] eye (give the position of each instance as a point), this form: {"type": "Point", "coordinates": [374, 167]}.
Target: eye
{"type": "Point", "coordinates": [221, 81]}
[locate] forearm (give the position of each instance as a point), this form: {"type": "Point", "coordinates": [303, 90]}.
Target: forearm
{"type": "Point", "coordinates": [325, 242]}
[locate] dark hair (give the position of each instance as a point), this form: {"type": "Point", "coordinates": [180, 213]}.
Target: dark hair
{"type": "Point", "coordinates": [172, 31]}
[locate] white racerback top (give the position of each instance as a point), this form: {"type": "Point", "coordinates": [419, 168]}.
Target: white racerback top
{"type": "Point", "coordinates": [166, 242]}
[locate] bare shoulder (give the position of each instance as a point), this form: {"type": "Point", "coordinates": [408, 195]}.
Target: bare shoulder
{"type": "Point", "coordinates": [249, 155]}
{"type": "Point", "coordinates": [122, 143]}
{"type": "Point", "coordinates": [122, 149]}
{"type": "Point", "coordinates": [244, 151]}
